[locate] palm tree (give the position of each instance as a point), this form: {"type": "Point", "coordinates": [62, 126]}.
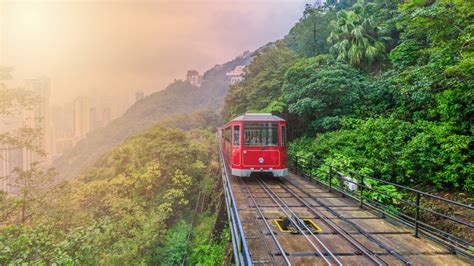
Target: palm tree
{"type": "Point", "coordinates": [358, 38]}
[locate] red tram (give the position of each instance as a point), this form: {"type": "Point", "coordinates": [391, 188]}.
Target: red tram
{"type": "Point", "coordinates": [256, 143]}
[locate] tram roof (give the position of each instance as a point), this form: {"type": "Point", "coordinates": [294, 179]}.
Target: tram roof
{"type": "Point", "coordinates": [258, 117]}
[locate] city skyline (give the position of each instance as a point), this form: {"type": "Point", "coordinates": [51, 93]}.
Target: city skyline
{"type": "Point", "coordinates": [61, 127]}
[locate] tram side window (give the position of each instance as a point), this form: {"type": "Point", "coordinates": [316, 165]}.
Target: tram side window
{"type": "Point", "coordinates": [228, 134]}
{"type": "Point", "coordinates": [236, 135]}
{"type": "Point", "coordinates": [261, 134]}
{"type": "Point", "coordinates": [284, 141]}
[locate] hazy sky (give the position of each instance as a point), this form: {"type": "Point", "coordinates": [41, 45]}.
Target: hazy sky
{"type": "Point", "coordinates": [113, 48]}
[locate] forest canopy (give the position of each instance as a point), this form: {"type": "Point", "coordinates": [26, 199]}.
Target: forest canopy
{"type": "Point", "coordinates": [134, 206]}
{"type": "Point", "coordinates": [381, 86]}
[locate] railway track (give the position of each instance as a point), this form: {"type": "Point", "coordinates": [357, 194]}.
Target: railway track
{"type": "Point", "coordinates": [320, 249]}
{"type": "Point", "coordinates": [376, 259]}
{"type": "Point", "coordinates": [347, 235]}
{"type": "Point", "coordinates": [358, 238]}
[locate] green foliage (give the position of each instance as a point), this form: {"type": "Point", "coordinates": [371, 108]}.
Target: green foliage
{"type": "Point", "coordinates": [12, 102]}
{"type": "Point", "coordinates": [175, 244]}
{"type": "Point", "coordinates": [118, 212]}
{"type": "Point", "coordinates": [274, 107]}
{"type": "Point", "coordinates": [205, 251]}
{"type": "Point", "coordinates": [384, 193]}
{"type": "Point", "coordinates": [31, 185]}
{"type": "Point", "coordinates": [339, 4]}
{"type": "Point", "coordinates": [262, 85]}
{"type": "Point", "coordinates": [177, 99]}
{"type": "Point", "coordinates": [361, 35]}
{"type": "Point", "coordinates": [410, 123]}
{"type": "Point", "coordinates": [309, 36]}
{"type": "Point", "coordinates": [433, 57]}
{"type": "Point", "coordinates": [423, 153]}
{"type": "Point", "coordinates": [322, 91]}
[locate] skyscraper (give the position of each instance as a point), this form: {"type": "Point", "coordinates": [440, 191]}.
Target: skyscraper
{"type": "Point", "coordinates": [94, 119]}
{"type": "Point", "coordinates": [40, 115]}
{"type": "Point", "coordinates": [82, 123]}
{"type": "Point", "coordinates": [106, 116]}
{"type": "Point", "coordinates": [10, 157]}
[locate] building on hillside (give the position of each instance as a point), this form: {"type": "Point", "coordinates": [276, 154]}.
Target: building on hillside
{"type": "Point", "coordinates": [235, 76]}
{"type": "Point", "coordinates": [194, 78]}
{"type": "Point", "coordinates": [319, 3]}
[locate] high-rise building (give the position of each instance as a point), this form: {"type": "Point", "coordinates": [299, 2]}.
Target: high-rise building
{"type": "Point", "coordinates": [12, 157]}
{"type": "Point", "coordinates": [82, 123]}
{"type": "Point", "coordinates": [94, 119]}
{"type": "Point", "coordinates": [106, 116]}
{"type": "Point", "coordinates": [40, 115]}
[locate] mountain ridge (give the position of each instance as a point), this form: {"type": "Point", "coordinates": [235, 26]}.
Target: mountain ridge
{"type": "Point", "coordinates": [177, 98]}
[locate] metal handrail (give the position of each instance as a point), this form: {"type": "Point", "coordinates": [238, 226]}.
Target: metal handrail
{"type": "Point", "coordinates": [241, 251]}
{"type": "Point", "coordinates": [453, 242]}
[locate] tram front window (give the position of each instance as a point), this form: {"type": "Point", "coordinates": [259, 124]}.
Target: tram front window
{"type": "Point", "coordinates": [258, 134]}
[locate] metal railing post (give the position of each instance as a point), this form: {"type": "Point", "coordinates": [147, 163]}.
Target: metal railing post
{"type": "Point", "coordinates": [296, 164]}
{"type": "Point", "coordinates": [330, 178]}
{"type": "Point", "coordinates": [361, 192]}
{"type": "Point", "coordinates": [417, 214]}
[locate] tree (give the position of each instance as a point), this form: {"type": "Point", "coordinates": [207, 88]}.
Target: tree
{"type": "Point", "coordinates": [309, 36]}
{"type": "Point", "coordinates": [339, 4]}
{"type": "Point", "coordinates": [13, 101]}
{"type": "Point", "coordinates": [322, 91]}
{"type": "Point", "coordinates": [434, 59]}
{"type": "Point", "coordinates": [262, 84]}
{"type": "Point", "coordinates": [31, 185]}
{"type": "Point", "coordinates": [359, 38]}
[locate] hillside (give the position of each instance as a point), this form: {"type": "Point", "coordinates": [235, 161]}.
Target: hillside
{"type": "Point", "coordinates": [178, 97]}
{"type": "Point", "coordinates": [136, 206]}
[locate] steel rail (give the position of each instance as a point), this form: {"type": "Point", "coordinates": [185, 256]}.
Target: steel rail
{"type": "Point", "coordinates": [239, 242]}
{"type": "Point", "coordinates": [275, 240]}
{"type": "Point", "coordinates": [373, 257]}
{"type": "Point", "coordinates": [270, 192]}
{"type": "Point", "coordinates": [355, 226]}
